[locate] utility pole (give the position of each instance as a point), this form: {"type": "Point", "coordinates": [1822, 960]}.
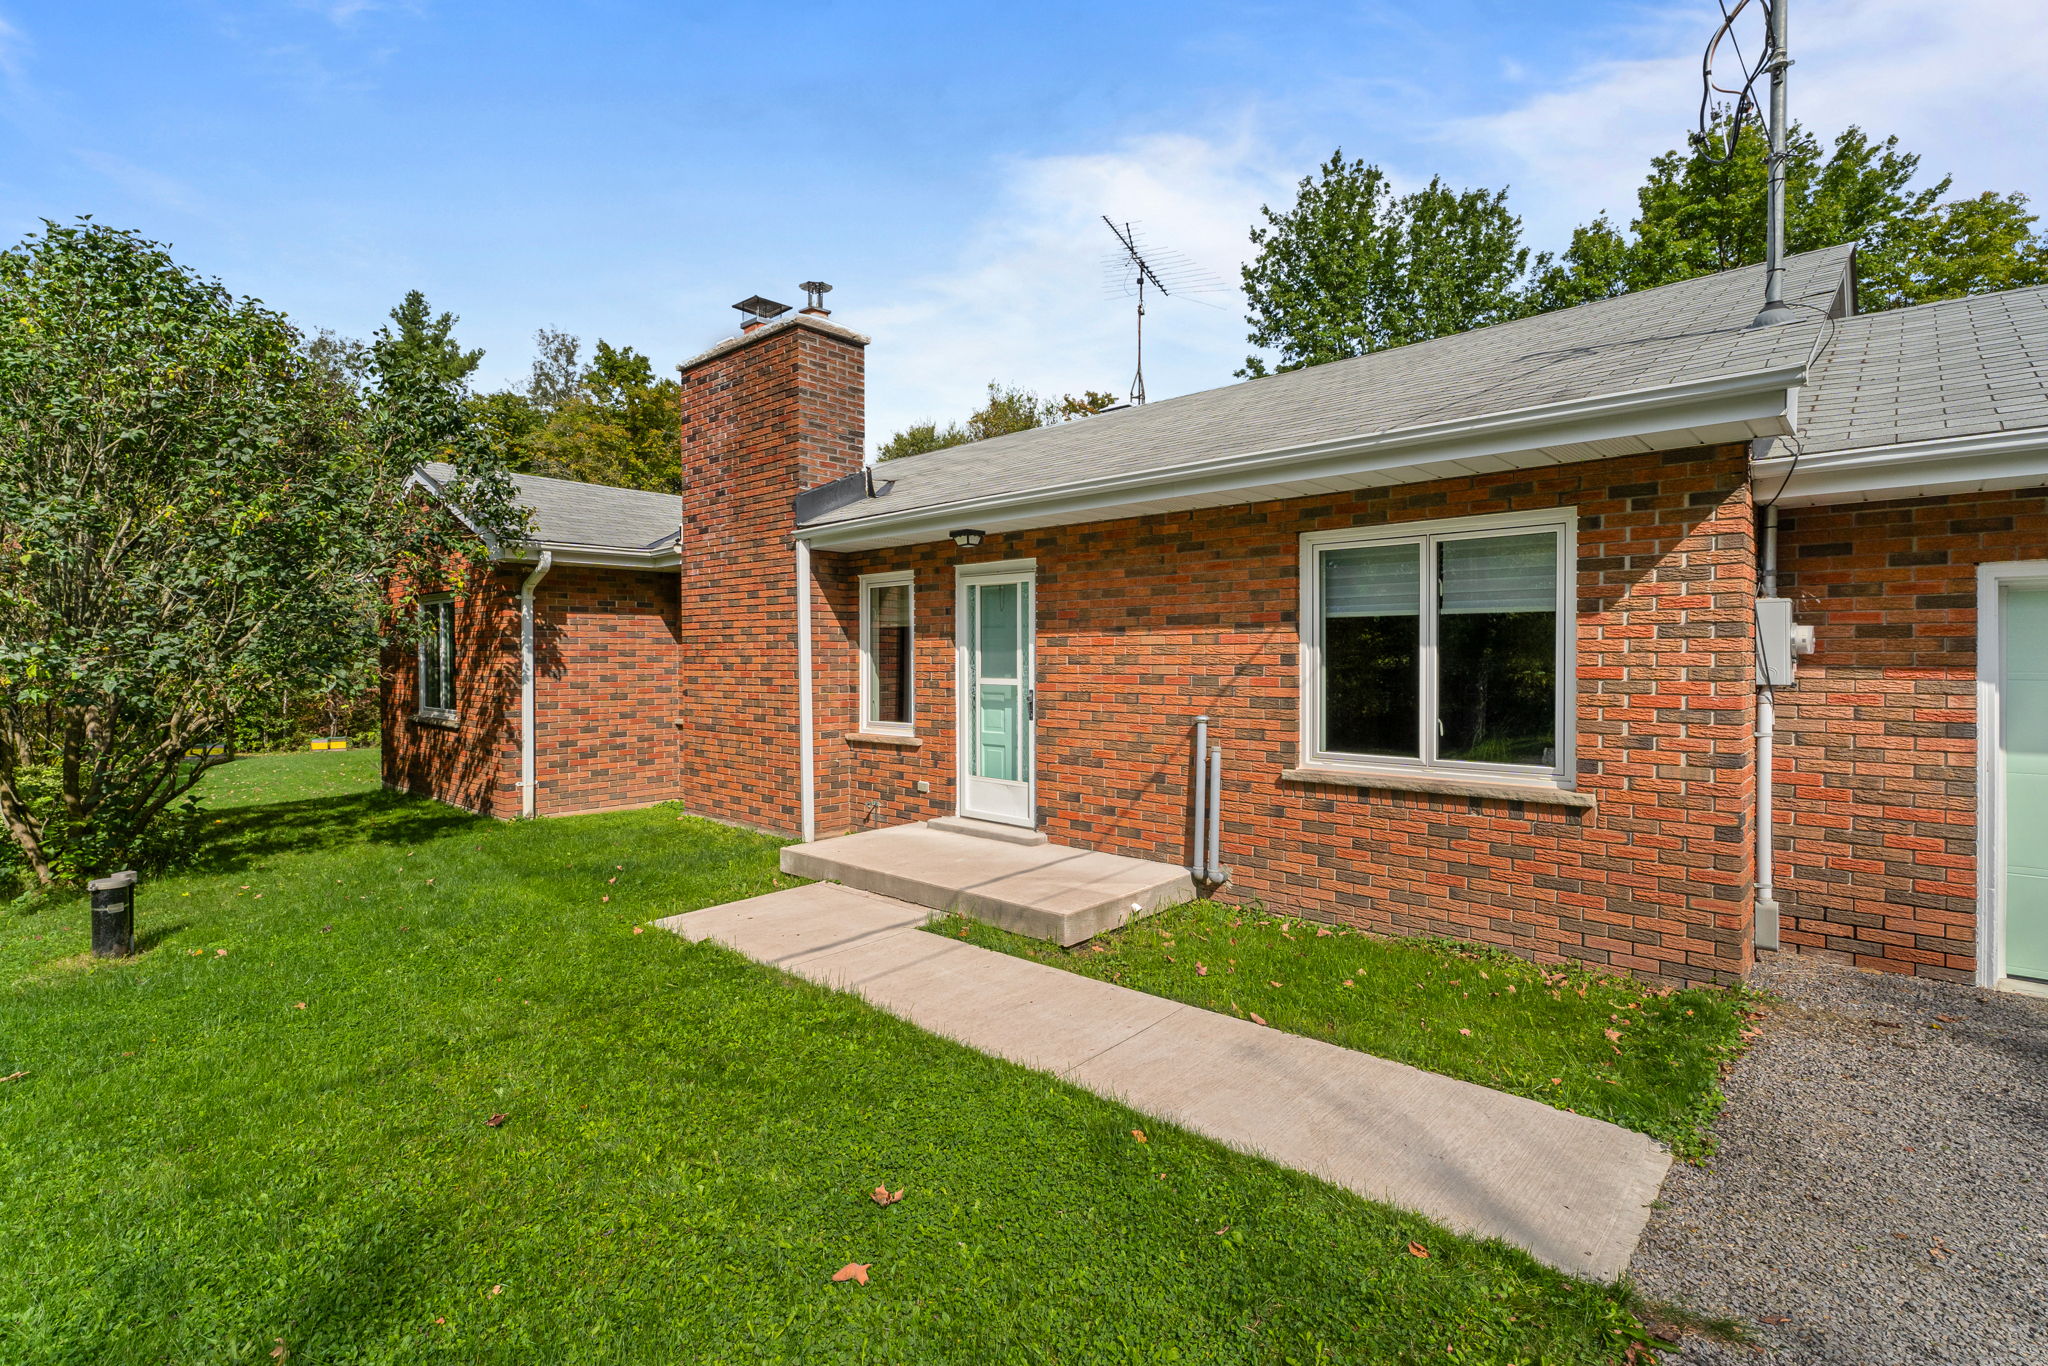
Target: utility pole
{"type": "Point", "coordinates": [1775, 309]}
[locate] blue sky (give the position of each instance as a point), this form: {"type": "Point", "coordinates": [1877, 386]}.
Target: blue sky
{"type": "Point", "coordinates": [628, 170]}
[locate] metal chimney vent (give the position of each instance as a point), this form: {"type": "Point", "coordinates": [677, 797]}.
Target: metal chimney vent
{"type": "Point", "coordinates": [758, 310]}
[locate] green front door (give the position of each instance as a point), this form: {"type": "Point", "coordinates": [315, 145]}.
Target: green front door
{"type": "Point", "coordinates": [996, 640]}
{"type": "Point", "coordinates": [2023, 737]}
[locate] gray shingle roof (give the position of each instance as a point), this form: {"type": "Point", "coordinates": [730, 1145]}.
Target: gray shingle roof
{"type": "Point", "coordinates": [1694, 330]}
{"type": "Point", "coordinates": [568, 513]}
{"type": "Point", "coordinates": [1963, 367]}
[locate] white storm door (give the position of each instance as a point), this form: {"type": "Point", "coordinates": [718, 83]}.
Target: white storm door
{"type": "Point", "coordinates": [995, 615]}
{"type": "Point", "coordinates": [2023, 770]}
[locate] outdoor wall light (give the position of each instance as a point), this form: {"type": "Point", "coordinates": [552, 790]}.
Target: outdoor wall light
{"type": "Point", "coordinates": [967, 538]}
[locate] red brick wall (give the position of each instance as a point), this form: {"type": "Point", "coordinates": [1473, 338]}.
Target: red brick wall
{"type": "Point", "coordinates": [1877, 742]}
{"type": "Point", "coordinates": [766, 416]}
{"type": "Point", "coordinates": [473, 764]}
{"type": "Point", "coordinates": [607, 661]}
{"type": "Point", "coordinates": [605, 681]}
{"type": "Point", "coordinates": [1144, 623]}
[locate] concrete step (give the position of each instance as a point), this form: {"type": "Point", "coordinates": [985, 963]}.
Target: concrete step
{"type": "Point", "coordinates": [987, 830]}
{"type": "Point", "coordinates": [1046, 891]}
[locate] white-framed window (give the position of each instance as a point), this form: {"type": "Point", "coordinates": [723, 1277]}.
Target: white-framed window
{"type": "Point", "coordinates": [437, 657]}
{"type": "Point", "coordinates": [888, 653]}
{"type": "Point", "coordinates": [1441, 646]}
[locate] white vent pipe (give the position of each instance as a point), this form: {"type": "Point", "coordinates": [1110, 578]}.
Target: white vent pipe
{"type": "Point", "coordinates": [1199, 867]}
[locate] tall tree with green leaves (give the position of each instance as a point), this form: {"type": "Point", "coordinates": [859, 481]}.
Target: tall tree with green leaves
{"type": "Point", "coordinates": [418, 339]}
{"type": "Point", "coordinates": [1698, 213]}
{"type": "Point", "coordinates": [605, 421]}
{"type": "Point", "coordinates": [1351, 266]}
{"type": "Point", "coordinates": [199, 510]}
{"type": "Point", "coordinates": [1009, 408]}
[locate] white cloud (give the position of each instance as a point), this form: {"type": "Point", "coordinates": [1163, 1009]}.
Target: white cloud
{"type": "Point", "coordinates": [1022, 301]}
{"type": "Point", "coordinates": [1958, 81]}
{"type": "Point", "coordinates": [13, 48]}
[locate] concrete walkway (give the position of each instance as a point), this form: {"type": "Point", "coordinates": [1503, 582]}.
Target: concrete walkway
{"type": "Point", "coordinates": [1574, 1192]}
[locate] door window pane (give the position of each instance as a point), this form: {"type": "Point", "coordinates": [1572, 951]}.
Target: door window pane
{"type": "Point", "coordinates": [1372, 637]}
{"type": "Point", "coordinates": [997, 732]}
{"type": "Point", "coordinates": [996, 633]}
{"type": "Point", "coordinates": [1497, 650]}
{"type": "Point", "coordinates": [889, 653]}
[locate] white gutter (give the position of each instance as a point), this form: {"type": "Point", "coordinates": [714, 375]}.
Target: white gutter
{"type": "Point", "coordinates": [1985, 462]}
{"type": "Point", "coordinates": [1765, 921]}
{"type": "Point", "coordinates": [527, 802]}
{"type": "Point", "coordinates": [1758, 402]}
{"type": "Point", "coordinates": [807, 777]}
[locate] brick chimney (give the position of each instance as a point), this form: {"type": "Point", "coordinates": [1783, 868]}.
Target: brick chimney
{"type": "Point", "coordinates": [767, 414]}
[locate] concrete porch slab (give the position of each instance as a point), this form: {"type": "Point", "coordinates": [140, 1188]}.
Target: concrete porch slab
{"type": "Point", "coordinates": [1046, 891]}
{"type": "Point", "coordinates": [1573, 1192]}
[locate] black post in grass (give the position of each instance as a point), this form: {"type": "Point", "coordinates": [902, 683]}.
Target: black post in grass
{"type": "Point", "coordinates": [113, 915]}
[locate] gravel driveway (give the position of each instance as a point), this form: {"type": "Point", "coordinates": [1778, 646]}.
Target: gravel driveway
{"type": "Point", "coordinates": [1881, 1189]}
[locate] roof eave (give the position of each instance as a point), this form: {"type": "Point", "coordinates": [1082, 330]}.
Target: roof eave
{"type": "Point", "coordinates": [1981, 463]}
{"type": "Point", "coordinates": [1696, 412]}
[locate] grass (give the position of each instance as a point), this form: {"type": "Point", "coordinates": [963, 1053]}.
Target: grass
{"type": "Point", "coordinates": [1610, 1047]}
{"type": "Point", "coordinates": [270, 1132]}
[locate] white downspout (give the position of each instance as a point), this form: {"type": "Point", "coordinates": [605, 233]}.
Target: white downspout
{"type": "Point", "coordinates": [527, 795]}
{"type": "Point", "coordinates": [806, 767]}
{"type": "Point", "coordinates": [1766, 918]}
{"type": "Point", "coordinates": [1217, 873]}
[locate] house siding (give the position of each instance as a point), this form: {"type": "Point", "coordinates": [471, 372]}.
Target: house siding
{"type": "Point", "coordinates": [606, 665]}
{"type": "Point", "coordinates": [1876, 833]}
{"type": "Point", "coordinates": [1145, 623]}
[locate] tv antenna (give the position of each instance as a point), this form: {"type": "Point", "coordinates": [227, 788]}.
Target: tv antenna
{"type": "Point", "coordinates": [1134, 267]}
{"type": "Point", "coordinates": [1720, 129]}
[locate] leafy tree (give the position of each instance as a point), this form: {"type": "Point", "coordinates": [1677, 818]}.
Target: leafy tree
{"type": "Point", "coordinates": [1697, 214]}
{"type": "Point", "coordinates": [1353, 267]}
{"type": "Point", "coordinates": [425, 342]}
{"type": "Point", "coordinates": [609, 421]}
{"type": "Point", "coordinates": [198, 510]}
{"type": "Point", "coordinates": [1008, 409]}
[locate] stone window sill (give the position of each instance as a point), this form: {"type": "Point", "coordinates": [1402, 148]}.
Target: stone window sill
{"type": "Point", "coordinates": [436, 722]}
{"type": "Point", "coordinates": [881, 737]}
{"type": "Point", "coordinates": [1440, 784]}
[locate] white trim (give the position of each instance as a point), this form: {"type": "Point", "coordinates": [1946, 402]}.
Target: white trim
{"type": "Point", "coordinates": [1991, 581]}
{"type": "Point", "coordinates": [806, 764]}
{"type": "Point", "coordinates": [896, 578]}
{"type": "Point", "coordinates": [1695, 413]}
{"type": "Point", "coordinates": [419, 678]}
{"type": "Point", "coordinates": [1986, 462]}
{"type": "Point", "coordinates": [1564, 521]}
{"type": "Point", "coordinates": [1023, 571]}
{"type": "Point", "coordinates": [605, 557]}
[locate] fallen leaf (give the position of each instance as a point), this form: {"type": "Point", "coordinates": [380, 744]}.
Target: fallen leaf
{"type": "Point", "coordinates": [1349, 983]}
{"type": "Point", "coordinates": [1272, 984]}
{"type": "Point", "coordinates": [881, 1196]}
{"type": "Point", "coordinates": [497, 1289]}
{"type": "Point", "coordinates": [1201, 971]}
{"type": "Point", "coordinates": [280, 1352]}
{"type": "Point", "coordinates": [1138, 1134]}
{"type": "Point", "coordinates": [1221, 1231]}
{"type": "Point", "coordinates": [852, 1271]}
{"type": "Point", "coordinates": [606, 898]}
{"type": "Point", "coordinates": [1612, 1034]}
{"type": "Point", "coordinates": [496, 1121]}
{"type": "Point", "coordinates": [1322, 933]}
{"type": "Point", "coordinates": [639, 929]}
{"type": "Point", "coordinates": [1417, 1250]}
{"type": "Point", "coordinates": [298, 1005]}
{"type": "Point", "coordinates": [17, 1076]}
{"type": "Point", "coordinates": [1773, 1319]}
{"type": "Point", "coordinates": [1557, 1081]}
{"type": "Point", "coordinates": [220, 953]}
{"type": "Point", "coordinates": [613, 878]}
{"type": "Point", "coordinates": [1256, 1018]}
{"type": "Point", "coordinates": [1466, 1032]}
{"type": "Point", "coordinates": [1949, 1019]}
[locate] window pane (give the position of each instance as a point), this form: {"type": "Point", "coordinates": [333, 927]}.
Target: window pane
{"type": "Point", "coordinates": [1497, 650]}
{"type": "Point", "coordinates": [448, 669]}
{"type": "Point", "coordinates": [890, 653]}
{"type": "Point", "coordinates": [996, 629]}
{"type": "Point", "coordinates": [1372, 624]}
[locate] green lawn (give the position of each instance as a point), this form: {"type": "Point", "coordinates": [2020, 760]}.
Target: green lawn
{"type": "Point", "coordinates": [1604, 1046]}
{"type": "Point", "coordinates": [272, 1129]}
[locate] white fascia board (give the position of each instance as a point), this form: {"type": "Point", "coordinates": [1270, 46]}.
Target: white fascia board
{"type": "Point", "coordinates": [608, 557]}
{"type": "Point", "coordinates": [432, 487]}
{"type": "Point", "coordinates": [1956, 464]}
{"type": "Point", "coordinates": [1758, 403]}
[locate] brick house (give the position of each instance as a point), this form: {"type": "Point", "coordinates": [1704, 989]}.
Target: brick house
{"type": "Point", "coordinates": [1520, 636]}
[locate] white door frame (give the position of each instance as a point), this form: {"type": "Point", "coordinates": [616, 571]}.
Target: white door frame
{"type": "Point", "coordinates": [964, 575]}
{"type": "Point", "coordinates": [1991, 582]}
